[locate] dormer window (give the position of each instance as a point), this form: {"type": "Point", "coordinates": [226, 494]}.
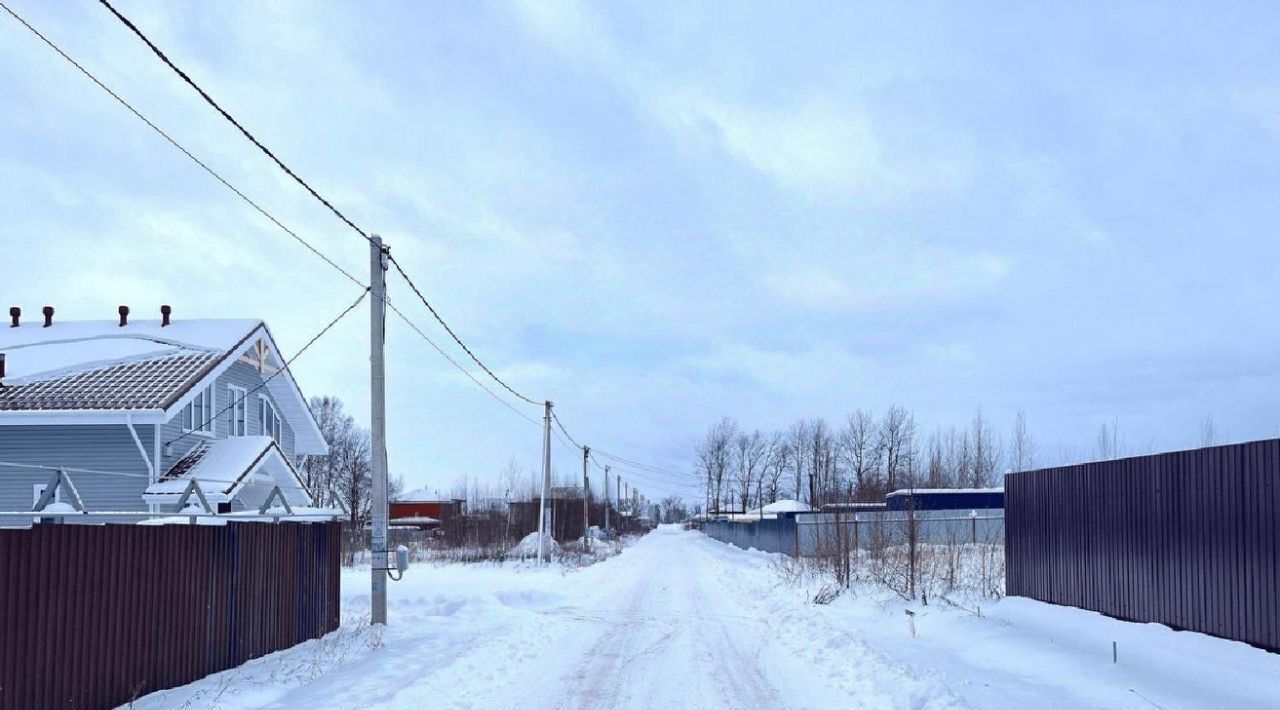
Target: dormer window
{"type": "Point", "coordinates": [268, 418]}
{"type": "Point", "coordinates": [198, 415]}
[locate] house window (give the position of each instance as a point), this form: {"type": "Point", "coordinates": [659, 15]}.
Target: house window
{"type": "Point", "coordinates": [238, 411]}
{"type": "Point", "coordinates": [268, 419]}
{"type": "Point", "coordinates": [38, 490]}
{"type": "Point", "coordinates": [198, 416]}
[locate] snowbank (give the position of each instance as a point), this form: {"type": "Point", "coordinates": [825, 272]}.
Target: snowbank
{"type": "Point", "coordinates": [785, 506]}
{"type": "Point", "coordinates": [528, 547]}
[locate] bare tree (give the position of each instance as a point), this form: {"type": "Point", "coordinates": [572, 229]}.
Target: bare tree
{"type": "Point", "coordinates": [1108, 444]}
{"type": "Point", "coordinates": [936, 474]}
{"type": "Point", "coordinates": [798, 441]}
{"type": "Point", "coordinates": [859, 450]}
{"type": "Point", "coordinates": [957, 457]}
{"type": "Point", "coordinates": [986, 451]}
{"type": "Point", "coordinates": [345, 472]}
{"type": "Point", "coordinates": [353, 476]}
{"type": "Point", "coordinates": [748, 453]}
{"type": "Point", "coordinates": [713, 461]}
{"type": "Point", "coordinates": [775, 463]}
{"type": "Point", "coordinates": [1022, 447]}
{"type": "Point", "coordinates": [672, 509]}
{"type": "Point", "coordinates": [1208, 432]}
{"type": "Point", "coordinates": [822, 462]}
{"type": "Point", "coordinates": [897, 442]}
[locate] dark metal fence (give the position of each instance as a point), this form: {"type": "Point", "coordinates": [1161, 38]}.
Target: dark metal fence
{"type": "Point", "coordinates": [94, 616]}
{"type": "Point", "coordinates": [1189, 539]}
{"type": "Point", "coordinates": [768, 535]}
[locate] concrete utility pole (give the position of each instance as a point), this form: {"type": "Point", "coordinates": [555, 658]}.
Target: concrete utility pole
{"type": "Point", "coordinates": [586, 506]}
{"type": "Point", "coordinates": [378, 425]}
{"type": "Point", "coordinates": [546, 483]}
{"type": "Point", "coordinates": [607, 502]}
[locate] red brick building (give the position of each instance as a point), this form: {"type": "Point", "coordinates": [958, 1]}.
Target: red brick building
{"type": "Point", "coordinates": [425, 514]}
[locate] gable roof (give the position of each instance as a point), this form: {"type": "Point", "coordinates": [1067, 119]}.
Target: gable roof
{"type": "Point", "coordinates": [223, 467]}
{"type": "Point", "coordinates": [141, 384]}
{"type": "Point", "coordinates": [101, 372]}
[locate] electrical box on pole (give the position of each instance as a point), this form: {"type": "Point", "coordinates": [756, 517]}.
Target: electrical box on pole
{"type": "Point", "coordinates": [378, 426]}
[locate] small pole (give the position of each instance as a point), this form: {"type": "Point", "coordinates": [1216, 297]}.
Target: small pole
{"type": "Point", "coordinates": [546, 482]}
{"type": "Point", "coordinates": [378, 426]}
{"type": "Point", "coordinates": [1115, 653]}
{"type": "Point", "coordinates": [607, 502]}
{"type": "Point", "coordinates": [586, 507]}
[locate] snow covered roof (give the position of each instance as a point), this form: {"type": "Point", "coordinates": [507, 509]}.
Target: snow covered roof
{"type": "Point", "coordinates": [100, 371]}
{"type": "Point", "coordinates": [129, 385]}
{"type": "Point", "coordinates": [424, 495]}
{"type": "Point", "coordinates": [223, 467]}
{"type": "Point", "coordinates": [786, 506]}
{"type": "Point", "coordinates": [919, 491]}
{"type": "Point", "coordinates": [414, 520]}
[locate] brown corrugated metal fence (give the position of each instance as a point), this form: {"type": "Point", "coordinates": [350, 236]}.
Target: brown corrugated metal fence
{"type": "Point", "coordinates": [94, 616]}
{"type": "Point", "coordinates": [1190, 539]}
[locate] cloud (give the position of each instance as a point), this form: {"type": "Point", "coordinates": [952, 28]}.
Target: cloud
{"type": "Point", "coordinates": [890, 279]}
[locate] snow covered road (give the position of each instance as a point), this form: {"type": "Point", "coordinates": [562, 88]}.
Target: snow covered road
{"type": "Point", "coordinates": [681, 621]}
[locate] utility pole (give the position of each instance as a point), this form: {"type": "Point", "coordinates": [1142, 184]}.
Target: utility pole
{"type": "Point", "coordinates": [546, 483]}
{"type": "Point", "coordinates": [607, 502]}
{"type": "Point", "coordinates": [378, 425]}
{"type": "Point", "coordinates": [586, 507]}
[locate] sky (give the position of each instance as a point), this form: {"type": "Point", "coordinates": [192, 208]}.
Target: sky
{"type": "Point", "coordinates": [658, 214]}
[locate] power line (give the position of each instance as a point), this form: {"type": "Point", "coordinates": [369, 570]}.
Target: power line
{"type": "Point", "coordinates": [461, 369]}
{"type": "Point", "coordinates": [226, 183]}
{"type": "Point", "coordinates": [275, 374]}
{"type": "Point", "coordinates": [209, 99]}
{"type": "Point", "coordinates": [267, 151]}
{"type": "Point", "coordinates": [172, 141]}
{"type": "Point", "coordinates": [569, 436]}
{"type": "Point", "coordinates": [261, 210]}
{"type": "Point", "coordinates": [454, 335]}
{"type": "Point", "coordinates": [636, 464]}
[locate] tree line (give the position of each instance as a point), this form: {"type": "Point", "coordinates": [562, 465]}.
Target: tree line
{"type": "Point", "coordinates": [867, 456]}
{"type": "Point", "coordinates": [863, 458]}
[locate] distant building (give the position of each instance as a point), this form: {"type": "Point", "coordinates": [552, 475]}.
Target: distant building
{"type": "Point", "coordinates": [946, 499]}
{"type": "Point", "coordinates": [417, 509]}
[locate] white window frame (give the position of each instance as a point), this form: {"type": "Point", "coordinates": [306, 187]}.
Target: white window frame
{"type": "Point", "coordinates": [238, 409]}
{"type": "Point", "coordinates": [265, 407]}
{"type": "Point", "coordinates": [200, 411]}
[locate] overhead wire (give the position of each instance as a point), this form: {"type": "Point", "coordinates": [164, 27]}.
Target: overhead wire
{"type": "Point", "coordinates": [455, 337]}
{"type": "Point", "coordinates": [209, 99]}
{"type": "Point", "coordinates": [329, 205]}
{"type": "Point", "coordinates": [460, 368]}
{"type": "Point", "coordinates": [284, 368]}
{"type": "Point", "coordinates": [314, 193]}
{"type": "Point", "coordinates": [239, 193]}
{"type": "Point", "coordinates": [172, 141]}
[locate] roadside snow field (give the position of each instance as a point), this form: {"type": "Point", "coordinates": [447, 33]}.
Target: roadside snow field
{"type": "Point", "coordinates": [679, 620]}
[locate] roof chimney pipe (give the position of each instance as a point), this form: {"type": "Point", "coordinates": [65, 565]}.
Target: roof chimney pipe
{"type": "Point", "coordinates": [48, 315]}
{"type": "Point", "coordinates": [124, 315]}
{"type": "Point", "coordinates": [165, 311]}
{"type": "Point", "coordinates": [15, 314]}
{"type": "Point", "coordinates": [1, 369]}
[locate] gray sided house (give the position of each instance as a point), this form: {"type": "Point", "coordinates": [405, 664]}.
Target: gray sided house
{"type": "Point", "coordinates": [133, 411]}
